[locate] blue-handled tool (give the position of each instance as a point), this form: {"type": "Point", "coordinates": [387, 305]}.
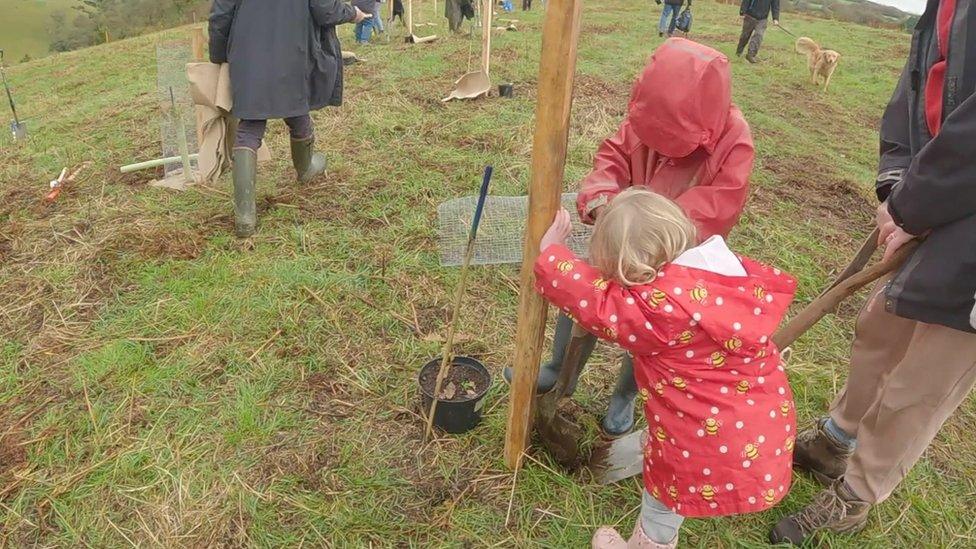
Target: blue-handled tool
{"type": "Point", "coordinates": [458, 295]}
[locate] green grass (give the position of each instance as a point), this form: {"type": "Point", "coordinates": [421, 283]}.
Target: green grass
{"type": "Point", "coordinates": [25, 24]}
{"type": "Point", "coordinates": [164, 384]}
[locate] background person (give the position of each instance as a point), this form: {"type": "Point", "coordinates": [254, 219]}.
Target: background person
{"type": "Point", "coordinates": [285, 61]}
{"type": "Point", "coordinates": [755, 17]}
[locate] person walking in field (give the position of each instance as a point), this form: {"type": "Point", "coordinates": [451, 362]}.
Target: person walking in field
{"type": "Point", "coordinates": [670, 12]}
{"type": "Point", "coordinates": [697, 319]}
{"type": "Point", "coordinates": [755, 17]}
{"type": "Point", "coordinates": [285, 61]}
{"type": "Point", "coordinates": [364, 29]}
{"type": "Point", "coordinates": [913, 361]}
{"type": "Point", "coordinates": [682, 138]}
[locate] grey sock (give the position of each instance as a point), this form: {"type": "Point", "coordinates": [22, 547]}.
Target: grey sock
{"type": "Point", "coordinates": [659, 522]}
{"type": "Point", "coordinates": [839, 435]}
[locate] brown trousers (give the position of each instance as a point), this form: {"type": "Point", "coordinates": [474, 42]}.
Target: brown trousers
{"type": "Point", "coordinates": [906, 380]}
{"type": "Point", "coordinates": [752, 33]}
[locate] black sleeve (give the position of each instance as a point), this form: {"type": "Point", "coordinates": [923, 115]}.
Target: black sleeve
{"type": "Point", "coordinates": [327, 13]}
{"type": "Point", "coordinates": [775, 10]}
{"type": "Point", "coordinates": [938, 186]}
{"type": "Point", "coordinates": [743, 7]}
{"type": "Point", "coordinates": [896, 154]}
{"type": "Point", "coordinates": [221, 18]}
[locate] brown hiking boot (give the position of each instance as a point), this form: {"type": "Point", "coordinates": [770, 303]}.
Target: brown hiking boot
{"type": "Point", "coordinates": [820, 454]}
{"type": "Point", "coordinates": [836, 509]}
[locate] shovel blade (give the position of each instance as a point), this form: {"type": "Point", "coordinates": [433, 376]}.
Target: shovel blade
{"type": "Point", "coordinates": [470, 86]}
{"type": "Point", "coordinates": [18, 130]}
{"type": "Point", "coordinates": [561, 438]}
{"type": "Point", "coordinates": [618, 459]}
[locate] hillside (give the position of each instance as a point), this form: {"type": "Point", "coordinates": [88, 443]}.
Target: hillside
{"type": "Point", "coordinates": [164, 384]}
{"type": "Point", "coordinates": [24, 26]}
{"type": "Point", "coordinates": [863, 12]}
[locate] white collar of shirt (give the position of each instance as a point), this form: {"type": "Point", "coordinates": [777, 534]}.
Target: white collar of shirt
{"type": "Point", "coordinates": [712, 255]}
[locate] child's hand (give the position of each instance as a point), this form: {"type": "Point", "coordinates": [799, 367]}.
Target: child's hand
{"type": "Point", "coordinates": [558, 231]}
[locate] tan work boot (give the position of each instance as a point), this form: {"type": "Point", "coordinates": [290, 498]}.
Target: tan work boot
{"type": "Point", "coordinates": [836, 509]}
{"type": "Point", "coordinates": [308, 163]}
{"type": "Point", "coordinates": [820, 454]}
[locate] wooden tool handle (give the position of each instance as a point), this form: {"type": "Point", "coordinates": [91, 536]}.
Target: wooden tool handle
{"type": "Point", "coordinates": [829, 300]}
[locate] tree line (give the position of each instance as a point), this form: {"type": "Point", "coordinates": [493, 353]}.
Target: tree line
{"type": "Point", "coordinates": [92, 22]}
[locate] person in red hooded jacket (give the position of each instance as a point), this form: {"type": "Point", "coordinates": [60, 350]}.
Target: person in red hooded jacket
{"type": "Point", "coordinates": [698, 320]}
{"type": "Point", "coordinates": [682, 138]}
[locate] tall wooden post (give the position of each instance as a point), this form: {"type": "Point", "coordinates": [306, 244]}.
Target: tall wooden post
{"type": "Point", "coordinates": [560, 35]}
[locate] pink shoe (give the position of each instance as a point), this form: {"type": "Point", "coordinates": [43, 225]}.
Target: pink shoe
{"type": "Point", "coordinates": [608, 538]}
{"type": "Point", "coordinates": [640, 541]}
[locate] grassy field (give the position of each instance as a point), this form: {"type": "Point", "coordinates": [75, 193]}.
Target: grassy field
{"type": "Point", "coordinates": [24, 26]}
{"type": "Point", "coordinates": [164, 384]}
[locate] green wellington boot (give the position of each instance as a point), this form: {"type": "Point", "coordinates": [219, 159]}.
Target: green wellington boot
{"type": "Point", "coordinates": [308, 164]}
{"type": "Point", "coordinates": [245, 208]}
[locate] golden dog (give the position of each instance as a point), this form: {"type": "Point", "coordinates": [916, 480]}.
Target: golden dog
{"type": "Point", "coordinates": [821, 62]}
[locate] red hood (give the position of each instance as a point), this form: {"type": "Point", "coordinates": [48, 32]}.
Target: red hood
{"type": "Point", "coordinates": [682, 99]}
{"type": "Point", "coordinates": [740, 313]}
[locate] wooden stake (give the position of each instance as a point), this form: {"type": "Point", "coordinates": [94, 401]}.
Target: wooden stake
{"type": "Point", "coordinates": [486, 36]}
{"type": "Point", "coordinates": [410, 17]}
{"type": "Point", "coordinates": [560, 36]}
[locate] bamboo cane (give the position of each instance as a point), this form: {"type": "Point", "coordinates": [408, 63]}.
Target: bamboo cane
{"type": "Point", "coordinates": [458, 296]}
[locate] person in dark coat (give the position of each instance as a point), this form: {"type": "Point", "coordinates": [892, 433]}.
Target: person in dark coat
{"type": "Point", "coordinates": [285, 61]}
{"type": "Point", "coordinates": [452, 11]}
{"type": "Point", "coordinates": [671, 10]}
{"type": "Point", "coordinates": [913, 361]}
{"type": "Point", "coordinates": [755, 17]}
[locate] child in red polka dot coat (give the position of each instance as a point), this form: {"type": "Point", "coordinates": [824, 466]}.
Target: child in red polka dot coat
{"type": "Point", "coordinates": [698, 321]}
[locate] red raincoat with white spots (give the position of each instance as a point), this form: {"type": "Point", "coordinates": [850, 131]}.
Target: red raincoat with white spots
{"type": "Point", "coordinates": [719, 408]}
{"type": "Point", "coordinates": [682, 138]}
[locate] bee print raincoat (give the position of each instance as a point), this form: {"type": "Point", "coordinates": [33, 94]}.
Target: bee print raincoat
{"type": "Point", "coordinates": [719, 408]}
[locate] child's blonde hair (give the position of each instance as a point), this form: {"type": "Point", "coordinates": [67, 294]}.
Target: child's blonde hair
{"type": "Point", "coordinates": [637, 233]}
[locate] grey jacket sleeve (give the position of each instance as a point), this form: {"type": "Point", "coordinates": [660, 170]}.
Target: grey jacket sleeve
{"type": "Point", "coordinates": [896, 154]}
{"type": "Point", "coordinates": [221, 17]}
{"type": "Point", "coordinates": [327, 13]}
{"type": "Point", "coordinates": [938, 186]}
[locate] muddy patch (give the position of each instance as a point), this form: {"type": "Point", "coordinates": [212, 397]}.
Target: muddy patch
{"type": "Point", "coordinates": [12, 453]}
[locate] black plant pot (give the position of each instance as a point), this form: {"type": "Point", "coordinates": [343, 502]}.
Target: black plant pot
{"type": "Point", "coordinates": [506, 90]}
{"type": "Point", "coordinates": [462, 413]}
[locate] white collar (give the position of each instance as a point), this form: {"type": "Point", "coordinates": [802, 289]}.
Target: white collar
{"type": "Point", "coordinates": [712, 255]}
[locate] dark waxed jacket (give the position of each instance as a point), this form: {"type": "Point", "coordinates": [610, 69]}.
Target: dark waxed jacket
{"type": "Point", "coordinates": [759, 9]}
{"type": "Point", "coordinates": [930, 183]}
{"type": "Point", "coordinates": [285, 57]}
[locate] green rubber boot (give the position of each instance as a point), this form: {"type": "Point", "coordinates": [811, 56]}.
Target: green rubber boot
{"type": "Point", "coordinates": [308, 164]}
{"type": "Point", "coordinates": [245, 208]}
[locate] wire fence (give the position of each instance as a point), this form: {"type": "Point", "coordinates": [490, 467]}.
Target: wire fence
{"type": "Point", "coordinates": [501, 232]}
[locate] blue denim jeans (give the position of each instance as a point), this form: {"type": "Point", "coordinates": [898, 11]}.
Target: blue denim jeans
{"type": "Point", "coordinates": [672, 12]}
{"type": "Point", "coordinates": [364, 29]}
